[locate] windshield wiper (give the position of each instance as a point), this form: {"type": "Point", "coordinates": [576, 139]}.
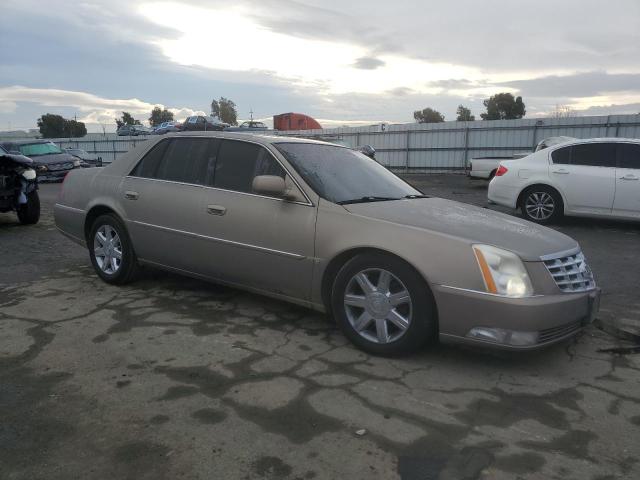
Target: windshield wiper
{"type": "Point", "coordinates": [366, 200]}
{"type": "Point", "coordinates": [417, 196]}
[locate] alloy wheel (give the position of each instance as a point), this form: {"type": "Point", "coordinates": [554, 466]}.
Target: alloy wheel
{"type": "Point", "coordinates": [107, 249]}
{"type": "Point", "coordinates": [540, 205]}
{"type": "Point", "coordinates": [378, 305]}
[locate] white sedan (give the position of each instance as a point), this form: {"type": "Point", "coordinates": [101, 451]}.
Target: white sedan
{"type": "Point", "coordinates": [598, 177]}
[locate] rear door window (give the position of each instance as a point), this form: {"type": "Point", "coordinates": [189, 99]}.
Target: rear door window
{"type": "Point", "coordinates": [594, 154]}
{"type": "Point", "coordinates": [148, 166]}
{"type": "Point", "coordinates": [562, 156]}
{"type": "Point", "coordinates": [628, 155]}
{"type": "Point", "coordinates": [185, 160]}
{"type": "Point", "coordinates": [239, 162]}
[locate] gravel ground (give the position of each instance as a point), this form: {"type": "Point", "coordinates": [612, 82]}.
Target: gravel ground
{"type": "Point", "coordinates": [175, 378]}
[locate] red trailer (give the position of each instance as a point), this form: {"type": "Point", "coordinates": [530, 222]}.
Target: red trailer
{"type": "Point", "coordinates": [294, 121]}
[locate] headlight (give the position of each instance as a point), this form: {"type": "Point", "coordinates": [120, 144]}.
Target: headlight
{"type": "Point", "coordinates": [41, 168]}
{"type": "Point", "coordinates": [76, 163]}
{"type": "Point", "coordinates": [503, 272]}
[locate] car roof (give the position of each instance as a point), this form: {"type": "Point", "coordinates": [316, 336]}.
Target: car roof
{"type": "Point", "coordinates": [254, 137]}
{"type": "Point", "coordinates": [26, 142]}
{"type": "Point", "coordinates": [599, 140]}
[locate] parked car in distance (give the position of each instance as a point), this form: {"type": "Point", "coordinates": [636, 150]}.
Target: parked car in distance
{"type": "Point", "coordinates": [89, 159]}
{"type": "Point", "coordinates": [167, 127]}
{"type": "Point", "coordinates": [486, 167]}
{"type": "Point", "coordinates": [326, 227]}
{"type": "Point", "coordinates": [598, 177]}
{"type": "Point", "coordinates": [202, 123]}
{"type": "Point", "coordinates": [133, 130]}
{"type": "Point", "coordinates": [249, 125]}
{"type": "Point", "coordinates": [551, 141]}
{"type": "Point", "coordinates": [50, 162]}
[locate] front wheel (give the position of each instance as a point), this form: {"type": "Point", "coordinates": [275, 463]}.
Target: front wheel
{"type": "Point", "coordinates": [542, 204]}
{"type": "Point", "coordinates": [111, 251]}
{"type": "Point", "coordinates": [29, 213]}
{"type": "Point", "coordinates": [383, 305]}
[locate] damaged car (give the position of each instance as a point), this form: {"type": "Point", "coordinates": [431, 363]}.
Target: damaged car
{"type": "Point", "coordinates": [50, 162]}
{"type": "Point", "coordinates": [19, 187]}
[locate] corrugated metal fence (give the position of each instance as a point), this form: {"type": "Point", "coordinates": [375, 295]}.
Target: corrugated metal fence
{"type": "Point", "coordinates": [435, 147]}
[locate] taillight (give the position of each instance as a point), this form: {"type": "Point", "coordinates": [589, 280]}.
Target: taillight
{"type": "Point", "coordinates": [501, 171]}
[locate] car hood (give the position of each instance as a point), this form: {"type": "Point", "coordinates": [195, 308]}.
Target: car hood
{"type": "Point", "coordinates": [474, 224]}
{"type": "Point", "coordinates": [53, 158]}
{"type": "Point", "coordinates": [19, 159]}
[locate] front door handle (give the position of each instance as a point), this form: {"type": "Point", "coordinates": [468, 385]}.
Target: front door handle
{"type": "Point", "coordinates": [561, 172]}
{"type": "Point", "coordinates": [216, 210]}
{"type": "Point", "coordinates": [129, 195]}
{"type": "Point", "coordinates": [629, 177]}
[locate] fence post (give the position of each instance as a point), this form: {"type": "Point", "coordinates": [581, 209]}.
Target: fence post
{"type": "Point", "coordinates": [114, 151]}
{"type": "Point", "coordinates": [466, 147]}
{"type": "Point", "coordinates": [406, 158]}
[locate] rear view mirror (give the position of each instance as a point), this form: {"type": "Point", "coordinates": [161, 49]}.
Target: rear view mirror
{"type": "Point", "coordinates": [271, 185]}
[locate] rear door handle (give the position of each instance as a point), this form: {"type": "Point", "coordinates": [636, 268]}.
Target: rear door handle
{"type": "Point", "coordinates": [561, 172]}
{"type": "Point", "coordinates": [629, 177]}
{"type": "Point", "coordinates": [129, 195]}
{"type": "Point", "coordinates": [216, 210]}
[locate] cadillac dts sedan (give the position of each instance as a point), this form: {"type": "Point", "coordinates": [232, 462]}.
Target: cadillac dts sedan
{"type": "Point", "coordinates": [328, 228]}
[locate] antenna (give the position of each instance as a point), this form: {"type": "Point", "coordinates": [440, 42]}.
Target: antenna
{"type": "Point", "coordinates": [251, 115]}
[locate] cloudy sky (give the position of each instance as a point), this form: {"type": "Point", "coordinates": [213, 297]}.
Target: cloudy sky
{"type": "Point", "coordinates": [355, 62]}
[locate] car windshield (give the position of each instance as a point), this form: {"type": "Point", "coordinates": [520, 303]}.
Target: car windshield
{"type": "Point", "coordinates": [341, 175]}
{"type": "Point", "coordinates": [36, 149]}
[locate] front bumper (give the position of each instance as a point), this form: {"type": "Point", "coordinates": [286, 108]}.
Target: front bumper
{"type": "Point", "coordinates": [547, 319]}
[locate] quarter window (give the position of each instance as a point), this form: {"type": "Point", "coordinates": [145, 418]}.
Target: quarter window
{"type": "Point", "coordinates": [628, 155]}
{"type": "Point", "coordinates": [148, 166]}
{"type": "Point", "coordinates": [239, 162]}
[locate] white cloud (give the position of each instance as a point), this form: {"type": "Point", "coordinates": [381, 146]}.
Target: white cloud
{"type": "Point", "coordinates": [96, 109]}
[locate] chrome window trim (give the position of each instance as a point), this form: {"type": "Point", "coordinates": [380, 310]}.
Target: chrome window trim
{"type": "Point", "coordinates": [295, 181]}
{"type": "Point", "coordinates": [221, 189]}
{"type": "Point", "coordinates": [294, 256]}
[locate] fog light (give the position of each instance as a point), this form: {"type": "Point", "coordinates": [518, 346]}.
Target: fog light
{"type": "Point", "coordinates": [503, 336]}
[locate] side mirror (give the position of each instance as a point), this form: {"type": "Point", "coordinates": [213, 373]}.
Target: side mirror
{"type": "Point", "coordinates": [271, 185]}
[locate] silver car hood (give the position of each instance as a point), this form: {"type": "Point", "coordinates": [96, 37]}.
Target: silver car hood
{"type": "Point", "coordinates": [471, 223]}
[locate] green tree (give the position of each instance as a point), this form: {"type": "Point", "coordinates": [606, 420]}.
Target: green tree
{"type": "Point", "coordinates": [428, 115]}
{"type": "Point", "coordinates": [503, 106]}
{"type": "Point", "coordinates": [56, 126]}
{"type": "Point", "coordinates": [158, 116]}
{"type": "Point", "coordinates": [225, 110]}
{"type": "Point", "coordinates": [127, 119]}
{"type": "Point", "coordinates": [464, 114]}
{"type": "Point", "coordinates": [75, 129]}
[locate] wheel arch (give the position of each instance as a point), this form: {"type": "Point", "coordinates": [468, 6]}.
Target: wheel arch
{"type": "Point", "coordinates": [338, 261]}
{"type": "Point", "coordinates": [540, 184]}
{"type": "Point", "coordinates": [93, 213]}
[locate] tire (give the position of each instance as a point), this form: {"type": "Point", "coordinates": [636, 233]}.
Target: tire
{"type": "Point", "coordinates": [29, 213]}
{"type": "Point", "coordinates": [541, 204]}
{"type": "Point", "coordinates": [108, 239]}
{"type": "Point", "coordinates": [371, 320]}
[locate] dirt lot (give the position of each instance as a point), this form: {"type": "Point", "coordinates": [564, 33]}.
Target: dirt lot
{"type": "Point", "coordinates": [176, 378]}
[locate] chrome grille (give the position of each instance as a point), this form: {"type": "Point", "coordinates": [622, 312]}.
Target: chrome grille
{"type": "Point", "coordinates": [60, 166]}
{"type": "Point", "coordinates": [558, 332]}
{"type": "Point", "coordinates": [571, 273]}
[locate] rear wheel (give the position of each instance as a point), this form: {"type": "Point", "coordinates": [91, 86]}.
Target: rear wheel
{"type": "Point", "coordinates": [383, 305]}
{"type": "Point", "coordinates": [29, 213]}
{"type": "Point", "coordinates": [111, 251]}
{"type": "Point", "coordinates": [541, 204]}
